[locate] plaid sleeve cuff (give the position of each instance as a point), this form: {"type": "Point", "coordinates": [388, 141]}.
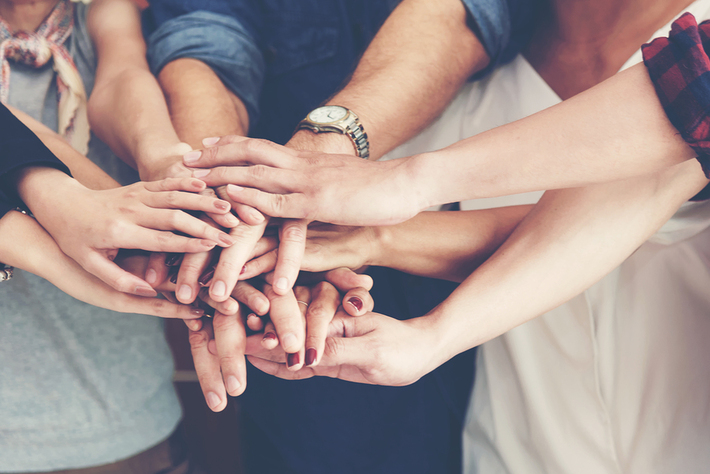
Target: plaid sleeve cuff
{"type": "Point", "coordinates": [680, 70]}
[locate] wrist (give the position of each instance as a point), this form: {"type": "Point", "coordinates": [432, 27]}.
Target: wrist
{"type": "Point", "coordinates": [158, 162]}
{"type": "Point", "coordinates": [34, 182]}
{"type": "Point", "coordinates": [332, 143]}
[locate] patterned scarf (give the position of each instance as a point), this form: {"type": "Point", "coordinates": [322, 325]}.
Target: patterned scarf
{"type": "Point", "coordinates": [36, 49]}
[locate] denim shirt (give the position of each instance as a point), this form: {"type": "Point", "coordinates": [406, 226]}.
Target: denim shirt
{"type": "Point", "coordinates": [283, 58]}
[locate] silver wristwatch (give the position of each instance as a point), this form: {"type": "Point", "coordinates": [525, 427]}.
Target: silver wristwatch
{"type": "Point", "coordinates": [334, 118]}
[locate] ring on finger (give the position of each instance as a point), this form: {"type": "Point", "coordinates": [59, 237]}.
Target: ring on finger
{"type": "Point", "coordinates": [302, 302]}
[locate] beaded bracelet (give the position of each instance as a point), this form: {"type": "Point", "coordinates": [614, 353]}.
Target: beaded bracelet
{"type": "Point", "coordinates": [7, 271]}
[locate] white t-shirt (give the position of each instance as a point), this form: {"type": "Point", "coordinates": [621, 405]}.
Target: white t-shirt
{"type": "Point", "coordinates": [617, 380]}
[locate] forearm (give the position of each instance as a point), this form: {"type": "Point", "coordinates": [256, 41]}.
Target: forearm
{"type": "Point", "coordinates": [200, 104]}
{"type": "Point", "coordinates": [570, 240]}
{"type": "Point", "coordinates": [127, 109]}
{"type": "Point", "coordinates": [83, 169]}
{"type": "Point", "coordinates": [409, 74]}
{"type": "Point", "coordinates": [616, 130]}
{"type": "Point", "coordinates": [446, 245]}
{"type": "Point", "coordinates": [25, 244]}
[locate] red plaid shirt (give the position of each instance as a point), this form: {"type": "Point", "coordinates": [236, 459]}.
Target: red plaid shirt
{"type": "Point", "coordinates": [680, 70]}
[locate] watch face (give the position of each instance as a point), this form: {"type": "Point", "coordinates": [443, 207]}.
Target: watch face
{"type": "Point", "coordinates": [328, 114]}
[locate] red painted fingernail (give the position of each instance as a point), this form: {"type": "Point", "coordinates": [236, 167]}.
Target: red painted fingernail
{"type": "Point", "coordinates": [311, 356]}
{"type": "Point", "coordinates": [244, 269]}
{"type": "Point", "coordinates": [205, 279]}
{"type": "Point", "coordinates": [173, 278]}
{"type": "Point", "coordinates": [173, 259]}
{"type": "Point", "coordinates": [269, 336]}
{"type": "Point", "coordinates": [357, 302]}
{"type": "Point", "coordinates": [293, 359]}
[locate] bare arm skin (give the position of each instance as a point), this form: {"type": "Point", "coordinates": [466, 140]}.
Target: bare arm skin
{"type": "Point", "coordinates": [616, 130]}
{"type": "Point", "coordinates": [406, 77]}
{"type": "Point", "coordinates": [91, 217]}
{"type": "Point", "coordinates": [593, 228]}
{"type": "Point", "coordinates": [25, 244]}
{"type": "Point", "coordinates": [126, 108]}
{"type": "Point", "coordinates": [445, 245]}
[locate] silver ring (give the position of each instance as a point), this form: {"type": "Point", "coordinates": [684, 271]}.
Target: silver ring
{"type": "Point", "coordinates": [302, 302]}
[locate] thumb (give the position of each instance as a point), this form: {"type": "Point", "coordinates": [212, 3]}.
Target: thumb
{"type": "Point", "coordinates": [107, 271]}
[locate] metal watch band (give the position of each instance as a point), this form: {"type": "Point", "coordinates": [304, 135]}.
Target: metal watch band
{"type": "Point", "coordinates": [350, 125]}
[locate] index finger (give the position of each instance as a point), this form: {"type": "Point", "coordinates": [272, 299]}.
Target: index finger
{"type": "Point", "coordinates": [287, 318]}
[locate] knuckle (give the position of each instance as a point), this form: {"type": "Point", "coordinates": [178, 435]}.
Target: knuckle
{"type": "Point", "coordinates": [293, 233]}
{"type": "Point", "coordinates": [229, 360]}
{"type": "Point", "coordinates": [172, 198]}
{"type": "Point", "coordinates": [198, 340]}
{"type": "Point", "coordinates": [224, 324]}
{"type": "Point", "coordinates": [316, 312]}
{"type": "Point", "coordinates": [333, 346]}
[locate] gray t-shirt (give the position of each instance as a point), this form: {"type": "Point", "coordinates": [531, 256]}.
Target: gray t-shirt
{"type": "Point", "coordinates": [79, 385]}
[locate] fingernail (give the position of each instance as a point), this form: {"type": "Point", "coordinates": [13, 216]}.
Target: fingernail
{"type": "Point", "coordinates": [151, 276]}
{"type": "Point", "coordinates": [311, 356]}
{"type": "Point", "coordinates": [173, 278]}
{"type": "Point", "coordinates": [289, 341]}
{"type": "Point", "coordinates": [256, 215]}
{"type": "Point", "coordinates": [212, 347]}
{"type": "Point", "coordinates": [261, 305]}
{"type": "Point", "coordinates": [244, 269]}
{"type": "Point", "coordinates": [184, 293]}
{"type": "Point", "coordinates": [173, 259]}
{"type": "Point", "coordinates": [231, 219]}
{"type": "Point", "coordinates": [357, 302]}
{"type": "Point", "coordinates": [210, 141]}
{"type": "Point", "coordinates": [232, 384]}
{"type": "Point", "coordinates": [221, 205]}
{"type": "Point", "coordinates": [219, 288]}
{"type": "Point", "coordinates": [226, 239]}
{"type": "Point", "coordinates": [213, 400]}
{"type": "Point", "coordinates": [197, 312]}
{"type": "Point", "coordinates": [281, 284]}
{"type": "Point", "coordinates": [200, 173]}
{"type": "Point", "coordinates": [233, 188]}
{"type": "Point", "coordinates": [191, 157]}
{"type": "Point", "coordinates": [144, 291]}
{"type": "Point", "coordinates": [293, 359]}
{"type": "Point", "coordinates": [269, 336]}
{"type": "Point", "coordinates": [192, 325]}
{"type": "Point", "coordinates": [205, 279]}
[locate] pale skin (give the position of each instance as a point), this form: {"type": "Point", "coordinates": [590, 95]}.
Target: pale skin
{"type": "Point", "coordinates": [95, 217]}
{"type": "Point", "coordinates": [376, 92]}
{"type": "Point", "coordinates": [593, 228]}
{"type": "Point", "coordinates": [543, 151]}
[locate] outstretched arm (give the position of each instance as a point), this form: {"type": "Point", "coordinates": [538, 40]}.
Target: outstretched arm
{"type": "Point", "coordinates": [91, 221]}
{"type": "Point", "coordinates": [127, 109]}
{"type": "Point", "coordinates": [25, 244]}
{"type": "Point", "coordinates": [571, 239]}
{"type": "Point", "coordinates": [615, 130]}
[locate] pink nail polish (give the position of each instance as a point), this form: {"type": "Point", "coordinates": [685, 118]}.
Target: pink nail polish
{"type": "Point", "coordinates": [210, 141]}
{"type": "Point", "coordinates": [191, 157]}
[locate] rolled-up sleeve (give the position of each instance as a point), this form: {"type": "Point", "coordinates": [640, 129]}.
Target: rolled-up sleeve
{"type": "Point", "coordinates": [220, 41]}
{"type": "Point", "coordinates": [679, 67]}
{"type": "Point", "coordinates": [502, 26]}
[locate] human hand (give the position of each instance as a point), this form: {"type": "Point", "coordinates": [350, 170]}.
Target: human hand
{"type": "Point", "coordinates": [90, 226]}
{"type": "Point", "coordinates": [40, 254]}
{"type": "Point", "coordinates": [161, 162]}
{"type": "Point", "coordinates": [327, 247]}
{"type": "Point", "coordinates": [218, 347]}
{"type": "Point", "coordinates": [281, 182]}
{"type": "Point", "coordinates": [373, 349]}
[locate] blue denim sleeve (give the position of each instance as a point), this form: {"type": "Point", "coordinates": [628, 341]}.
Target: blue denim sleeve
{"type": "Point", "coordinates": [503, 26]}
{"type": "Point", "coordinates": [221, 42]}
